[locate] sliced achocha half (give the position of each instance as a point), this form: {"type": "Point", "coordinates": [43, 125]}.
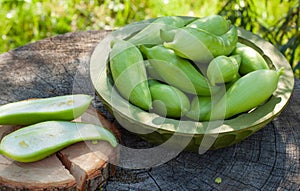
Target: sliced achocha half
{"type": "Point", "coordinates": [35, 142]}
{"type": "Point", "coordinates": [27, 112]}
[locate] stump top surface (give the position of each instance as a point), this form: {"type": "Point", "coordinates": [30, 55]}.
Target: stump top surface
{"type": "Point", "coordinates": [267, 160]}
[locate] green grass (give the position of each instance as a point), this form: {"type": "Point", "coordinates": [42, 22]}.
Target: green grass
{"type": "Point", "coordinates": [27, 21]}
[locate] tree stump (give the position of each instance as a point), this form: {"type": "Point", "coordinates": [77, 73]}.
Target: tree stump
{"type": "Point", "coordinates": [267, 160]}
{"type": "Point", "coordinates": [81, 166]}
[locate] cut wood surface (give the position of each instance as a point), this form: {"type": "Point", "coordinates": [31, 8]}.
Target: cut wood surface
{"type": "Point", "coordinates": [267, 160]}
{"type": "Point", "coordinates": [81, 166]}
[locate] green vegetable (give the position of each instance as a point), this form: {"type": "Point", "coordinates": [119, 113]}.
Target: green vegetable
{"type": "Point", "coordinates": [151, 72]}
{"type": "Point", "coordinates": [129, 73]}
{"type": "Point", "coordinates": [218, 180]}
{"type": "Point", "coordinates": [214, 24]}
{"type": "Point", "coordinates": [168, 100]}
{"type": "Point", "coordinates": [176, 71]}
{"type": "Point", "coordinates": [251, 59]}
{"type": "Point", "coordinates": [200, 108]}
{"type": "Point", "coordinates": [247, 93]}
{"type": "Point", "coordinates": [32, 111]}
{"type": "Point", "coordinates": [198, 45]}
{"type": "Point", "coordinates": [35, 142]}
{"type": "Point", "coordinates": [228, 84]}
{"type": "Point", "coordinates": [223, 69]}
{"type": "Point", "coordinates": [151, 33]}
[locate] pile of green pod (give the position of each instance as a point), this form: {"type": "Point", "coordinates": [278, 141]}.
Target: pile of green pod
{"type": "Point", "coordinates": [47, 127]}
{"type": "Point", "coordinates": [175, 66]}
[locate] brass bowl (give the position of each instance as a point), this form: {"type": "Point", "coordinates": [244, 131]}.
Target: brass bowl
{"type": "Point", "coordinates": [190, 135]}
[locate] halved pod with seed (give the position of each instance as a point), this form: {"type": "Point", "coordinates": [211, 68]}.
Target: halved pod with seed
{"type": "Point", "coordinates": [167, 100]}
{"type": "Point", "coordinates": [176, 71]}
{"type": "Point", "coordinates": [35, 142]}
{"type": "Point", "coordinates": [246, 93]}
{"type": "Point", "coordinates": [214, 24]}
{"type": "Point", "coordinates": [251, 60]}
{"type": "Point", "coordinates": [67, 107]}
{"type": "Point", "coordinates": [223, 69]}
{"type": "Point", "coordinates": [129, 73]}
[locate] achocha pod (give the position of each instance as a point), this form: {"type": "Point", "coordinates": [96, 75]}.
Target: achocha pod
{"type": "Point", "coordinates": [223, 69]}
{"type": "Point", "coordinates": [176, 71]}
{"type": "Point", "coordinates": [150, 35]}
{"type": "Point", "coordinates": [251, 60]}
{"type": "Point", "coordinates": [167, 100]}
{"type": "Point", "coordinates": [246, 93]}
{"type": "Point", "coordinates": [200, 108]}
{"type": "Point", "coordinates": [198, 45]}
{"type": "Point", "coordinates": [129, 73]}
{"type": "Point", "coordinates": [35, 142]}
{"type": "Point", "coordinates": [214, 24]}
{"type": "Point", "coordinates": [31, 111]}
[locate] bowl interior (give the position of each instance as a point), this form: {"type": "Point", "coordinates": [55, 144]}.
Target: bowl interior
{"type": "Point", "coordinates": [142, 122]}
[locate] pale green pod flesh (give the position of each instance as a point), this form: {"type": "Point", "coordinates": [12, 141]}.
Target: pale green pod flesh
{"type": "Point", "coordinates": [200, 108]}
{"type": "Point", "coordinates": [150, 35]}
{"type": "Point", "coordinates": [223, 69]}
{"type": "Point", "coordinates": [35, 142]}
{"type": "Point", "coordinates": [199, 45]}
{"type": "Point", "coordinates": [176, 71]}
{"type": "Point", "coordinates": [247, 93]}
{"type": "Point", "coordinates": [214, 24]}
{"type": "Point", "coordinates": [129, 73]}
{"type": "Point", "coordinates": [251, 59]}
{"type": "Point", "coordinates": [67, 107]}
{"type": "Point", "coordinates": [168, 100]}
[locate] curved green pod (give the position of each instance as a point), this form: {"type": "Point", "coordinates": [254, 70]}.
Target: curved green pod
{"type": "Point", "coordinates": [151, 72]}
{"type": "Point", "coordinates": [200, 108]}
{"type": "Point", "coordinates": [129, 73]}
{"type": "Point", "coordinates": [251, 60]}
{"type": "Point", "coordinates": [150, 35]}
{"type": "Point", "coordinates": [35, 142]}
{"type": "Point", "coordinates": [67, 107]}
{"type": "Point", "coordinates": [167, 100]}
{"type": "Point", "coordinates": [214, 24]}
{"type": "Point", "coordinates": [176, 71]}
{"type": "Point", "coordinates": [223, 69]}
{"type": "Point", "coordinates": [228, 84]}
{"type": "Point", "coordinates": [246, 93]}
{"type": "Point", "coordinates": [198, 45]}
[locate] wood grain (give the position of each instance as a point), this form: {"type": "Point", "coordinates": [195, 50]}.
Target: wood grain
{"type": "Point", "coordinates": [267, 160]}
{"type": "Point", "coordinates": [81, 166]}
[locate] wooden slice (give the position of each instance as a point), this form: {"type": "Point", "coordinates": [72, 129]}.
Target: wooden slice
{"type": "Point", "coordinates": [82, 166]}
{"type": "Point", "coordinates": [91, 162]}
{"type": "Point", "coordinates": [47, 174]}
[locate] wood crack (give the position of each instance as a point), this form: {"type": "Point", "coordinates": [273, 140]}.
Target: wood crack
{"type": "Point", "coordinates": [42, 79]}
{"type": "Point", "coordinates": [275, 159]}
{"type": "Point", "coordinates": [154, 180]}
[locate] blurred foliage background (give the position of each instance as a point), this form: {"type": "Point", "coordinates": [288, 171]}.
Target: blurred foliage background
{"type": "Point", "coordinates": [26, 21]}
